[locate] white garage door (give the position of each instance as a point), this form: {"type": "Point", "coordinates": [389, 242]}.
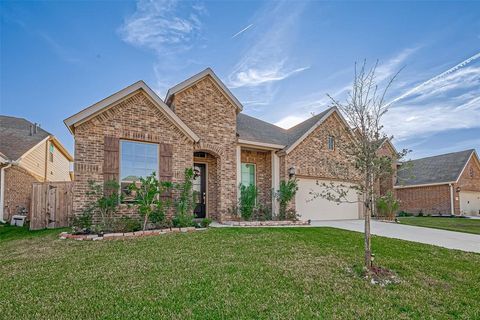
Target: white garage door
{"type": "Point", "coordinates": [469, 202]}
{"type": "Point", "coordinates": [322, 209]}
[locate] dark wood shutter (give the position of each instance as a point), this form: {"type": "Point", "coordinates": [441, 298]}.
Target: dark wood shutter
{"type": "Point", "coordinates": [110, 160]}
{"type": "Point", "coordinates": [165, 169]}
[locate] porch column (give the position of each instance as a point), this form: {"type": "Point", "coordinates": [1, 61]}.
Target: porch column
{"type": "Point", "coordinates": [239, 171]}
{"type": "Point", "coordinates": [275, 180]}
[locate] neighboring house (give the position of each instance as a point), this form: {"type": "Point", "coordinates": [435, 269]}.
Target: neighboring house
{"type": "Point", "coordinates": [199, 124]}
{"type": "Point", "coordinates": [27, 154]}
{"type": "Point", "coordinates": [447, 184]}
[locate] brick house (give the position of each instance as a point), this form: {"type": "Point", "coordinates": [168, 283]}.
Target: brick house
{"type": "Point", "coordinates": [28, 154]}
{"type": "Point", "coordinates": [200, 124]}
{"type": "Point", "coordinates": [446, 184]}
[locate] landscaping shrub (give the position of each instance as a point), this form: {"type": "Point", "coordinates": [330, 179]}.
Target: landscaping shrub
{"type": "Point", "coordinates": [404, 214]}
{"type": "Point", "coordinates": [83, 223]}
{"type": "Point", "coordinates": [205, 222]}
{"type": "Point", "coordinates": [127, 224]}
{"type": "Point", "coordinates": [285, 195]}
{"type": "Point", "coordinates": [262, 213]}
{"type": "Point", "coordinates": [106, 202]}
{"type": "Point", "coordinates": [184, 201]}
{"type": "Point", "coordinates": [388, 205]}
{"type": "Point", "coordinates": [147, 196]}
{"type": "Point", "coordinates": [248, 201]}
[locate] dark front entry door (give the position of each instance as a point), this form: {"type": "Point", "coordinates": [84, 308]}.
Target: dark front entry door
{"type": "Point", "coordinates": [199, 187]}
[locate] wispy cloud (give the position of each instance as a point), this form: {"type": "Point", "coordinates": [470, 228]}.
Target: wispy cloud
{"type": "Point", "coordinates": [242, 31]}
{"type": "Point", "coordinates": [254, 77]}
{"type": "Point", "coordinates": [170, 29]}
{"type": "Point", "coordinates": [445, 102]}
{"type": "Point", "coordinates": [63, 52]}
{"type": "Point", "coordinates": [319, 101]}
{"type": "Point", "coordinates": [266, 59]}
{"type": "Point", "coordinates": [161, 26]}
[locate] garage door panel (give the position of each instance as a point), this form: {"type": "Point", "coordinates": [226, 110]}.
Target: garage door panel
{"type": "Point", "coordinates": [322, 209]}
{"type": "Point", "coordinates": [469, 202]}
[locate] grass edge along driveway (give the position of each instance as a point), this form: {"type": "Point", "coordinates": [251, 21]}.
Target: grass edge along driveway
{"type": "Point", "coordinates": [444, 223]}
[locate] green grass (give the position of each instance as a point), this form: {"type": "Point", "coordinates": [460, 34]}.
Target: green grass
{"type": "Point", "coordinates": [452, 224]}
{"type": "Point", "coordinates": [279, 273]}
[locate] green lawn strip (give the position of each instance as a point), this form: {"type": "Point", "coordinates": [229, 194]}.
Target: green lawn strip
{"type": "Point", "coordinates": [8, 233]}
{"type": "Point", "coordinates": [452, 224]}
{"type": "Point", "coordinates": [234, 273]}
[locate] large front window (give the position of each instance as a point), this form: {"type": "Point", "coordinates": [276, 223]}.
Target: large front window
{"type": "Point", "coordinates": [248, 174]}
{"type": "Point", "coordinates": [137, 159]}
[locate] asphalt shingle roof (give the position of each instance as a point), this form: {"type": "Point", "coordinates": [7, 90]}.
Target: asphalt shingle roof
{"type": "Point", "coordinates": [436, 169]}
{"type": "Point", "coordinates": [253, 129]}
{"type": "Point", "coordinates": [15, 138]}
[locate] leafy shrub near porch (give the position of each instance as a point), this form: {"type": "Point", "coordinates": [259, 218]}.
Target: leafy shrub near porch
{"type": "Point", "coordinates": [248, 201]}
{"type": "Point", "coordinates": [148, 198]}
{"type": "Point", "coordinates": [107, 200]}
{"type": "Point", "coordinates": [184, 201]}
{"type": "Point", "coordinates": [127, 224]}
{"type": "Point", "coordinates": [285, 195]}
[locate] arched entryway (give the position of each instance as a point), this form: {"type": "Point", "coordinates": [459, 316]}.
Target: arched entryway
{"type": "Point", "coordinates": [205, 184]}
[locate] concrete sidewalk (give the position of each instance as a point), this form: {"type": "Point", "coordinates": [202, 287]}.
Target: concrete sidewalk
{"type": "Point", "coordinates": [442, 238]}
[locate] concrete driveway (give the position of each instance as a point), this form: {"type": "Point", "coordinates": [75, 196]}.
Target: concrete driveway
{"type": "Point", "coordinates": [442, 238]}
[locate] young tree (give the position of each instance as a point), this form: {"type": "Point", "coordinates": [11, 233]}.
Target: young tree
{"type": "Point", "coordinates": [363, 109]}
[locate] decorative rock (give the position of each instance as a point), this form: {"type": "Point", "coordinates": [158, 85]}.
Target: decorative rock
{"type": "Point", "coordinates": [138, 233]}
{"type": "Point", "coordinates": [175, 229]}
{"type": "Point", "coordinates": [97, 238]}
{"type": "Point", "coordinates": [190, 229]}
{"type": "Point", "coordinates": [129, 234]}
{"type": "Point", "coordinates": [183, 229]}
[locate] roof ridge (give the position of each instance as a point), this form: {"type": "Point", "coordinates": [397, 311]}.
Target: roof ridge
{"type": "Point", "coordinates": [444, 154]}
{"type": "Point", "coordinates": [319, 115]}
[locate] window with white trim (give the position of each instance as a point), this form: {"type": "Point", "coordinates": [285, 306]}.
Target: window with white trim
{"type": "Point", "coordinates": [137, 159]}
{"type": "Point", "coordinates": [331, 142]}
{"type": "Point", "coordinates": [248, 174]}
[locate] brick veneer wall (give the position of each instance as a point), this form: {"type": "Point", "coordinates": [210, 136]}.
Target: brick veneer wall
{"type": "Point", "coordinates": [207, 111]}
{"type": "Point", "coordinates": [134, 118]}
{"type": "Point", "coordinates": [386, 183]}
{"type": "Point", "coordinates": [311, 157]}
{"type": "Point", "coordinates": [429, 199]}
{"type": "Point", "coordinates": [263, 163]}
{"type": "Point", "coordinates": [18, 191]}
{"type": "Point", "coordinates": [212, 185]}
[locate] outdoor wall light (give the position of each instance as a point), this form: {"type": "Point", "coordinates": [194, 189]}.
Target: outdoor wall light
{"type": "Point", "coordinates": [458, 189]}
{"type": "Point", "coordinates": [291, 172]}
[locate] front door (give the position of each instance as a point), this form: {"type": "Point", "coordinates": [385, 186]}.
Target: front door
{"type": "Point", "coordinates": [199, 187]}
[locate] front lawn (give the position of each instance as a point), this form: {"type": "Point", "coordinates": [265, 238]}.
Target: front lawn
{"type": "Point", "coordinates": [280, 273]}
{"type": "Point", "coordinates": [446, 223]}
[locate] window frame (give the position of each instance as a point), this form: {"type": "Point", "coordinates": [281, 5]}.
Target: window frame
{"type": "Point", "coordinates": [51, 150]}
{"type": "Point", "coordinates": [254, 172]}
{"type": "Point", "coordinates": [331, 138]}
{"type": "Point", "coordinates": [157, 173]}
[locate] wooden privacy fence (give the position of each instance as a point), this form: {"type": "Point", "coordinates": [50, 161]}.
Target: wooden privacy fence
{"type": "Point", "coordinates": [52, 205]}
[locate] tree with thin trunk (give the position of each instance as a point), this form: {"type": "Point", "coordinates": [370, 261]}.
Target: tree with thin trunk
{"type": "Point", "coordinates": [363, 109]}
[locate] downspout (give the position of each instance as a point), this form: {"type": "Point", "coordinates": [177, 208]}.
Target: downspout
{"type": "Point", "coordinates": [452, 206]}
{"type": "Point", "coordinates": [2, 189]}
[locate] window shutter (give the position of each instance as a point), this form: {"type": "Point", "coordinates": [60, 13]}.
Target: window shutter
{"type": "Point", "coordinates": [165, 169]}
{"type": "Point", "coordinates": [110, 160]}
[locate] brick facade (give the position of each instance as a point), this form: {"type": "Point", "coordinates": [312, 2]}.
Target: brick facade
{"type": "Point", "coordinates": [428, 200]}
{"type": "Point", "coordinates": [208, 112]}
{"type": "Point", "coordinates": [313, 159]}
{"type": "Point", "coordinates": [18, 190]}
{"type": "Point", "coordinates": [134, 118]}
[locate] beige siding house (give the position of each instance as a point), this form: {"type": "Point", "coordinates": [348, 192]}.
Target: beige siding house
{"type": "Point", "coordinates": [200, 124]}
{"type": "Point", "coordinates": [28, 154]}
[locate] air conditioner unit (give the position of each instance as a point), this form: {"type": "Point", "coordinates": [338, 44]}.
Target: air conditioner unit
{"type": "Point", "coordinates": [18, 220]}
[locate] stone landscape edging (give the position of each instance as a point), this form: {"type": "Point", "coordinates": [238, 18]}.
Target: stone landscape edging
{"type": "Point", "coordinates": [268, 223]}
{"type": "Point", "coordinates": [124, 235]}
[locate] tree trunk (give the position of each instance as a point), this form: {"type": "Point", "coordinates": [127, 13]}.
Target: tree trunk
{"type": "Point", "coordinates": [368, 206]}
{"type": "Point", "coordinates": [145, 220]}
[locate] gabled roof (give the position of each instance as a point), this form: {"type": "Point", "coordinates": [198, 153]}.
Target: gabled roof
{"type": "Point", "coordinates": [444, 168]}
{"type": "Point", "coordinates": [16, 141]}
{"type": "Point", "coordinates": [104, 104]}
{"type": "Point", "coordinates": [199, 76]}
{"type": "Point", "coordinates": [256, 130]}
{"type": "Point", "coordinates": [15, 138]}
